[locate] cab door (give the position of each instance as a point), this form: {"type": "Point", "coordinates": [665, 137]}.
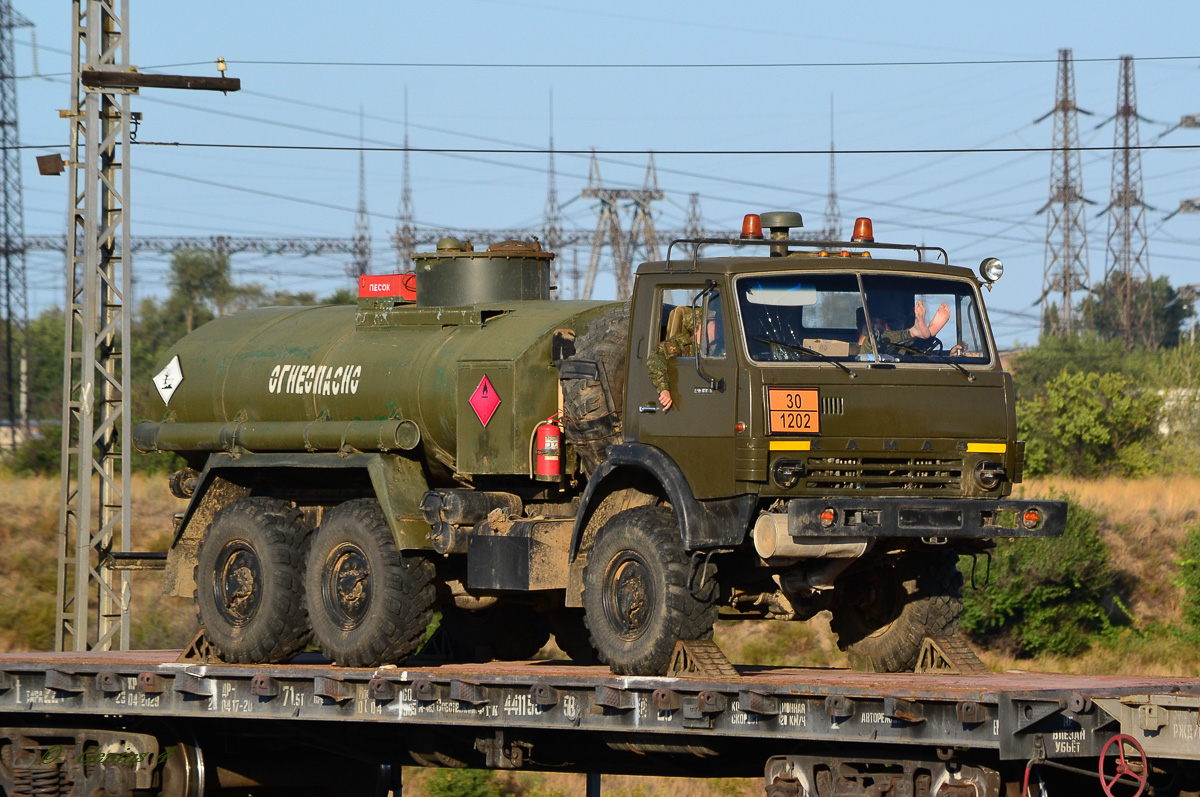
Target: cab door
{"type": "Point", "coordinates": [698, 430]}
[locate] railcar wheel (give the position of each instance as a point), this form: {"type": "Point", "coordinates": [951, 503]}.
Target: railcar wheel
{"type": "Point", "coordinates": [369, 603]}
{"type": "Point", "coordinates": [502, 632]}
{"type": "Point", "coordinates": [636, 600]}
{"type": "Point", "coordinates": [889, 610]}
{"type": "Point", "coordinates": [249, 584]}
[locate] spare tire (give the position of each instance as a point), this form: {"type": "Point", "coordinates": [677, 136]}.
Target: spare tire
{"type": "Point", "coordinates": [594, 386]}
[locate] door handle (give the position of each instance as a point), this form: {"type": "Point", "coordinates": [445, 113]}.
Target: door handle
{"type": "Point", "coordinates": [647, 408]}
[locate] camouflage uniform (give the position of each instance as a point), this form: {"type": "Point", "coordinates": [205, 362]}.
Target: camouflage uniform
{"type": "Point", "coordinates": [682, 344]}
{"type": "Point", "coordinates": [885, 336]}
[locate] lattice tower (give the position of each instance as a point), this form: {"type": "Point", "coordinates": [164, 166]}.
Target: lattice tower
{"type": "Point", "coordinates": [361, 262]}
{"type": "Point", "coordinates": [94, 515]}
{"type": "Point", "coordinates": [693, 225]}
{"type": "Point", "coordinates": [12, 230]}
{"type": "Point", "coordinates": [1066, 262]}
{"type": "Point", "coordinates": [404, 237]}
{"type": "Point", "coordinates": [608, 230]}
{"type": "Point", "coordinates": [643, 238]}
{"type": "Point", "coordinates": [552, 225]}
{"type": "Point", "coordinates": [1127, 263]}
{"type": "Point", "coordinates": [608, 227]}
{"type": "Point", "coordinates": [832, 230]}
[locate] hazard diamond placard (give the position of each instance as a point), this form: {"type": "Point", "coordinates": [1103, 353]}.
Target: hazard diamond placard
{"type": "Point", "coordinates": [484, 400]}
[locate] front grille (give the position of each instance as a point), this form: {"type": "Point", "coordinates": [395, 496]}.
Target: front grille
{"type": "Point", "coordinates": [897, 474]}
{"type": "Point", "coordinates": [833, 405]}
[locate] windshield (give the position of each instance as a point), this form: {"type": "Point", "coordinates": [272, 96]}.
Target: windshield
{"type": "Point", "coordinates": [805, 317]}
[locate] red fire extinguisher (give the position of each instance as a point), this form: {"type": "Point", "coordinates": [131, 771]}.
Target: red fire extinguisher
{"type": "Point", "coordinates": [547, 443]}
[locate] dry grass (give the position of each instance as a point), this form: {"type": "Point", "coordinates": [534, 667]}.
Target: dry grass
{"type": "Point", "coordinates": [1143, 522]}
{"type": "Point", "coordinates": [29, 522]}
{"type": "Point", "coordinates": [560, 784]}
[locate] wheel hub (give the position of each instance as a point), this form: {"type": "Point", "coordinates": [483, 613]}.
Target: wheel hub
{"type": "Point", "coordinates": [629, 595]}
{"type": "Point", "coordinates": [237, 588]}
{"type": "Point", "coordinates": [346, 591]}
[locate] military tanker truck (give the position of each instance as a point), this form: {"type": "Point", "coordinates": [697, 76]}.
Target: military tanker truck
{"type": "Point", "coordinates": [839, 431]}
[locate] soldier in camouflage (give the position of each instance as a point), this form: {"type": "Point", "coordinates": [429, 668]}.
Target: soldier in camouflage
{"type": "Point", "coordinates": [681, 344]}
{"type": "Point", "coordinates": [920, 329]}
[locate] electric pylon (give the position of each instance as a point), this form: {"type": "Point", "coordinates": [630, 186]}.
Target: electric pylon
{"type": "Point", "coordinates": [608, 229]}
{"type": "Point", "coordinates": [1066, 263]}
{"type": "Point", "coordinates": [12, 229]}
{"type": "Point", "coordinates": [833, 215]}
{"type": "Point", "coordinates": [642, 235]}
{"type": "Point", "coordinates": [552, 227]}
{"type": "Point", "coordinates": [1127, 263]}
{"type": "Point", "coordinates": [693, 225]}
{"type": "Point", "coordinates": [361, 262]}
{"type": "Point", "coordinates": [404, 237]}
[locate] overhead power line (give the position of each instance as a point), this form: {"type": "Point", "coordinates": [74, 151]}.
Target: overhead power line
{"type": "Point", "coordinates": [773, 65]}
{"type": "Point", "coordinates": [647, 152]}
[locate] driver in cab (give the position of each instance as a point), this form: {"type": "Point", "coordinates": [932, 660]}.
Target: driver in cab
{"type": "Point", "coordinates": [921, 328]}
{"type": "Point", "coordinates": [682, 343]}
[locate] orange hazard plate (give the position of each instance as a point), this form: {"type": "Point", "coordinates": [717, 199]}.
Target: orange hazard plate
{"type": "Point", "coordinates": [793, 410]}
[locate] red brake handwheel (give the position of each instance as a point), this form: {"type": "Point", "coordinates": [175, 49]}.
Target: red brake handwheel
{"type": "Point", "coordinates": [1136, 769]}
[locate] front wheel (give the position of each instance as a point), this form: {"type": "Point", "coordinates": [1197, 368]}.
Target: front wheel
{"type": "Point", "coordinates": [369, 603]}
{"type": "Point", "coordinates": [887, 612]}
{"type": "Point", "coordinates": [636, 597]}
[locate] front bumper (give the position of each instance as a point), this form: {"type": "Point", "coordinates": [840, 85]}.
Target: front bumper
{"type": "Point", "coordinates": [951, 518]}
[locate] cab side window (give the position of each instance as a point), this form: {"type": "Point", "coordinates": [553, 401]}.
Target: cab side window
{"type": "Point", "coordinates": [678, 321]}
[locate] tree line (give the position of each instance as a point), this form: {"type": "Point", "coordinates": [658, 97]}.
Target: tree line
{"type": "Point", "coordinates": [200, 287]}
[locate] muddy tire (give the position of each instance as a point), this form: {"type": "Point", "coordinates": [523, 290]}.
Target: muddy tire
{"type": "Point", "coordinates": [888, 611]}
{"type": "Point", "coordinates": [592, 408]}
{"type": "Point", "coordinates": [635, 593]}
{"type": "Point", "coordinates": [369, 602]}
{"type": "Point", "coordinates": [249, 582]}
{"type": "Point", "coordinates": [502, 632]}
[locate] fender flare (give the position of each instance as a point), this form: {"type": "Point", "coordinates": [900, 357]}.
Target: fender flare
{"type": "Point", "coordinates": [712, 523]}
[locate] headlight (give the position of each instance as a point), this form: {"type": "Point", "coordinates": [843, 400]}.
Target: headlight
{"type": "Point", "coordinates": [991, 269]}
{"type": "Point", "coordinates": [989, 474]}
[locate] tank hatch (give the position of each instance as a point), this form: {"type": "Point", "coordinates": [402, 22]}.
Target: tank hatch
{"type": "Point", "coordinates": [456, 275]}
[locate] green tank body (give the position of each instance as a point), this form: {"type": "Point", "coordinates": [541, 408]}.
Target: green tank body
{"type": "Point", "coordinates": [288, 369]}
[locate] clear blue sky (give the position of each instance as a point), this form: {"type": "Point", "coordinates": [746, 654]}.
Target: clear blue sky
{"type": "Point", "coordinates": [975, 204]}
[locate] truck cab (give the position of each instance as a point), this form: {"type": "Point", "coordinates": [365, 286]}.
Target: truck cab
{"type": "Point", "coordinates": [830, 427]}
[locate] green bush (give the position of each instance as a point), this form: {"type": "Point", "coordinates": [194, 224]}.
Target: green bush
{"type": "Point", "coordinates": [1189, 576]}
{"type": "Point", "coordinates": [1046, 595]}
{"type": "Point", "coordinates": [1089, 424]}
{"type": "Point", "coordinates": [463, 783]}
{"type": "Point", "coordinates": [38, 456]}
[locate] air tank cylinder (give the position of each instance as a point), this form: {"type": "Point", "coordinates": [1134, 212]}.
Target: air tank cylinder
{"type": "Point", "coordinates": [777, 546]}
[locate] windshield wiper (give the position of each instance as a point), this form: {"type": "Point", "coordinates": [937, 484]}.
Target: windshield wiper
{"type": "Point", "coordinates": [940, 357]}
{"type": "Point", "coordinates": [806, 350]}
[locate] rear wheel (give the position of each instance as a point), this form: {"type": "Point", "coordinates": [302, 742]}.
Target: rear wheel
{"type": "Point", "coordinates": [249, 581]}
{"type": "Point", "coordinates": [636, 599]}
{"type": "Point", "coordinates": [888, 611]}
{"type": "Point", "coordinates": [369, 603]}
